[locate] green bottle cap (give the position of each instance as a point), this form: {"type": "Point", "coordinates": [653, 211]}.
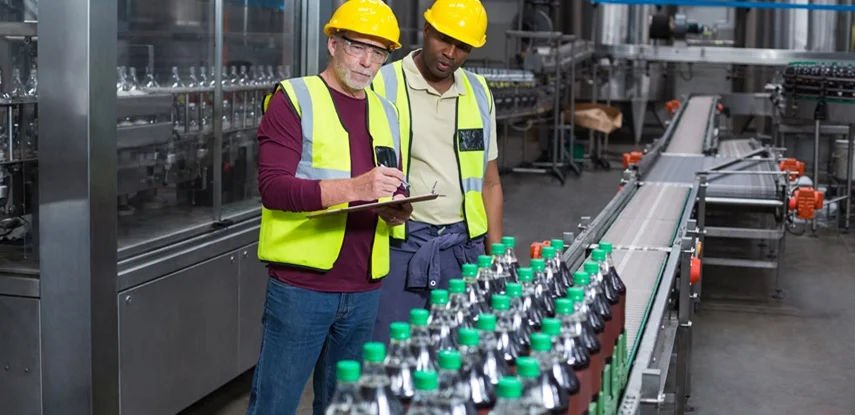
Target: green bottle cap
{"type": "Point", "coordinates": [467, 337]}
{"type": "Point", "coordinates": [456, 286]}
{"type": "Point", "coordinates": [487, 321]}
{"type": "Point", "coordinates": [347, 371]}
{"type": "Point", "coordinates": [439, 297]}
{"type": "Point", "coordinates": [538, 264]}
{"type": "Point", "coordinates": [598, 255]}
{"type": "Point", "coordinates": [542, 342]}
{"type": "Point", "coordinates": [509, 242]}
{"type": "Point", "coordinates": [558, 244]}
{"type": "Point", "coordinates": [425, 380]}
{"type": "Point", "coordinates": [449, 359]}
{"type": "Point", "coordinates": [563, 306]}
{"type": "Point", "coordinates": [551, 326]}
{"type": "Point", "coordinates": [399, 331]}
{"type": "Point", "coordinates": [525, 274]}
{"type": "Point", "coordinates": [591, 267]}
{"type": "Point", "coordinates": [485, 261]}
{"type": "Point", "coordinates": [470, 270]}
{"type": "Point", "coordinates": [510, 388]}
{"type": "Point", "coordinates": [419, 317]}
{"type": "Point", "coordinates": [513, 289]}
{"type": "Point", "coordinates": [577, 294]}
{"type": "Point", "coordinates": [606, 247]}
{"type": "Point", "coordinates": [500, 302]}
{"type": "Point", "coordinates": [497, 249]}
{"type": "Point", "coordinates": [527, 367]}
{"type": "Point", "coordinates": [373, 352]}
{"type": "Point", "coordinates": [581, 278]}
{"type": "Point", "coordinates": [548, 252]}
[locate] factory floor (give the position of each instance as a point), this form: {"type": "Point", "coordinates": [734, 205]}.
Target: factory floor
{"type": "Point", "coordinates": [751, 354]}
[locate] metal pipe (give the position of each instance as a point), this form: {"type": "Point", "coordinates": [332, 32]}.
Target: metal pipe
{"type": "Point", "coordinates": [540, 35]}
{"type": "Point", "coordinates": [849, 177]}
{"type": "Point", "coordinates": [218, 110]}
{"type": "Point", "coordinates": [743, 202]}
{"type": "Point", "coordinates": [748, 172]}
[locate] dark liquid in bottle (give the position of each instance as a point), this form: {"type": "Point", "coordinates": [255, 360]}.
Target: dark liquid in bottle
{"type": "Point", "coordinates": [603, 307]}
{"type": "Point", "coordinates": [579, 358]}
{"type": "Point", "coordinates": [617, 285]}
{"type": "Point", "coordinates": [592, 338]}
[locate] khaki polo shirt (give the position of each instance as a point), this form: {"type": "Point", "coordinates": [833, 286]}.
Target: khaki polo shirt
{"type": "Point", "coordinates": [433, 157]}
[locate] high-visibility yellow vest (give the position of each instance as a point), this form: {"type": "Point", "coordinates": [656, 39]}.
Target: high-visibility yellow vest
{"type": "Point", "coordinates": [290, 237]}
{"type": "Point", "coordinates": [472, 138]}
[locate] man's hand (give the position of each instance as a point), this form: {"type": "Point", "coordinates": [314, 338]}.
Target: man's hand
{"type": "Point", "coordinates": [397, 214]}
{"type": "Point", "coordinates": [378, 183]}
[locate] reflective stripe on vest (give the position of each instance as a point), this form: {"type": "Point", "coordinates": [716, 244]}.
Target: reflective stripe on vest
{"type": "Point", "coordinates": [473, 114]}
{"type": "Point", "coordinates": [290, 237]}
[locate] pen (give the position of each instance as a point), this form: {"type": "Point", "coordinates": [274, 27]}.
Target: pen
{"type": "Point", "coordinates": [403, 181]}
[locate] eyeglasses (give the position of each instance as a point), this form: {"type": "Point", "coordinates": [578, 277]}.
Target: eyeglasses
{"type": "Point", "coordinates": [358, 49]}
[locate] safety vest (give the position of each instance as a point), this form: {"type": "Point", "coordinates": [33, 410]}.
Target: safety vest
{"type": "Point", "coordinates": [292, 238]}
{"type": "Point", "coordinates": [471, 137]}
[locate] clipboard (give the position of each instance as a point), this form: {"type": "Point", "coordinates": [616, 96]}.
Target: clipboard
{"type": "Point", "coordinates": [412, 199]}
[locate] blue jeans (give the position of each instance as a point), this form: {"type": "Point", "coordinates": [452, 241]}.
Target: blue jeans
{"type": "Point", "coordinates": [305, 329]}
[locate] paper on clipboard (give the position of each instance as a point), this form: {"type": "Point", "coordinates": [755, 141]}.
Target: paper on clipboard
{"type": "Point", "coordinates": [412, 199]}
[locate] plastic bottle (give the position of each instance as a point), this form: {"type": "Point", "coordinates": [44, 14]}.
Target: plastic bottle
{"type": "Point", "coordinates": [546, 284]}
{"type": "Point", "coordinates": [617, 284]}
{"type": "Point", "coordinates": [420, 340]}
{"type": "Point", "coordinates": [553, 272]}
{"type": "Point", "coordinates": [489, 282]}
{"type": "Point", "coordinates": [533, 306]}
{"type": "Point", "coordinates": [594, 291]}
{"type": "Point", "coordinates": [520, 322]}
{"type": "Point", "coordinates": [493, 360]}
{"type": "Point", "coordinates": [458, 305]}
{"type": "Point", "coordinates": [481, 384]}
{"type": "Point", "coordinates": [590, 326]}
{"type": "Point", "coordinates": [574, 357]}
{"type": "Point", "coordinates": [346, 399]}
{"type": "Point", "coordinates": [477, 290]}
{"type": "Point", "coordinates": [375, 387]}
{"type": "Point", "coordinates": [440, 322]}
{"type": "Point", "coordinates": [510, 256]}
{"type": "Point", "coordinates": [452, 387]}
{"type": "Point", "coordinates": [400, 362]}
{"type": "Point", "coordinates": [427, 400]}
{"type": "Point", "coordinates": [511, 400]}
{"type": "Point", "coordinates": [552, 381]}
{"type": "Point", "coordinates": [507, 338]}
{"type": "Point", "coordinates": [501, 267]}
{"type": "Point", "coordinates": [566, 275]}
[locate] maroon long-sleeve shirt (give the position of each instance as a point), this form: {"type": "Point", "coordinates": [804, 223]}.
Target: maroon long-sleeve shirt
{"type": "Point", "coordinates": [280, 144]}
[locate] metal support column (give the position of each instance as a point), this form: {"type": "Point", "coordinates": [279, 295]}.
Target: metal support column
{"type": "Point", "coordinates": [849, 154]}
{"type": "Point", "coordinates": [703, 184]}
{"type": "Point", "coordinates": [77, 52]}
{"type": "Point", "coordinates": [684, 331]}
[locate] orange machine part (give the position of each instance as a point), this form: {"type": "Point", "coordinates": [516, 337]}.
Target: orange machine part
{"type": "Point", "coordinates": [796, 168]}
{"type": "Point", "coordinates": [805, 201]}
{"type": "Point", "coordinates": [632, 158]}
{"type": "Point", "coordinates": [719, 108]}
{"type": "Point", "coordinates": [672, 106]}
{"type": "Point", "coordinates": [695, 272]}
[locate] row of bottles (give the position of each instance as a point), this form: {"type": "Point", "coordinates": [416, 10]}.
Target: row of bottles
{"type": "Point", "coordinates": [561, 334]}
{"type": "Point", "coordinates": [820, 79]}
{"type": "Point", "coordinates": [127, 82]}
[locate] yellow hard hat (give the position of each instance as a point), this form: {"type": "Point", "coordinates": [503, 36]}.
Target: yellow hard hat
{"type": "Point", "coordinates": [463, 20]}
{"type": "Point", "coordinates": [367, 17]}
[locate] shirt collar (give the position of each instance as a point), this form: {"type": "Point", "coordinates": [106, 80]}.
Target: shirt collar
{"type": "Point", "coordinates": [415, 80]}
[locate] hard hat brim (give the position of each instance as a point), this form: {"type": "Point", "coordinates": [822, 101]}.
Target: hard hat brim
{"type": "Point", "coordinates": [331, 30]}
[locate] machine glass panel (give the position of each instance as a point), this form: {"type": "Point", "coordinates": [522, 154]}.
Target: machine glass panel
{"type": "Point", "coordinates": [258, 42]}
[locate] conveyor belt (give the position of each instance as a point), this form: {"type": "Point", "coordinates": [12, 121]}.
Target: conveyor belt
{"type": "Point", "coordinates": [689, 135]}
{"type": "Point", "coordinates": [735, 148]}
{"type": "Point", "coordinates": [640, 271]}
{"type": "Point", "coordinates": [680, 169]}
{"type": "Point", "coordinates": [650, 217]}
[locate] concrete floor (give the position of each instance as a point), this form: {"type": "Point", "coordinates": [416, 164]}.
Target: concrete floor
{"type": "Point", "coordinates": [751, 355]}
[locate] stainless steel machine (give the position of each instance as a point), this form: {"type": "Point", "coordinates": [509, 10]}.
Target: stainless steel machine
{"type": "Point", "coordinates": [128, 198]}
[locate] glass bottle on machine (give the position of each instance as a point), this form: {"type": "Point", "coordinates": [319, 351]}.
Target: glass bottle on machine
{"type": "Point", "coordinates": [346, 399]}
{"type": "Point", "coordinates": [375, 387]}
{"type": "Point", "coordinates": [400, 362]}
{"type": "Point", "coordinates": [453, 388]}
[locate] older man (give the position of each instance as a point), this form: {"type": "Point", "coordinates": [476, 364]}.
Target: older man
{"type": "Point", "coordinates": [448, 140]}
{"type": "Point", "coordinates": [320, 140]}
